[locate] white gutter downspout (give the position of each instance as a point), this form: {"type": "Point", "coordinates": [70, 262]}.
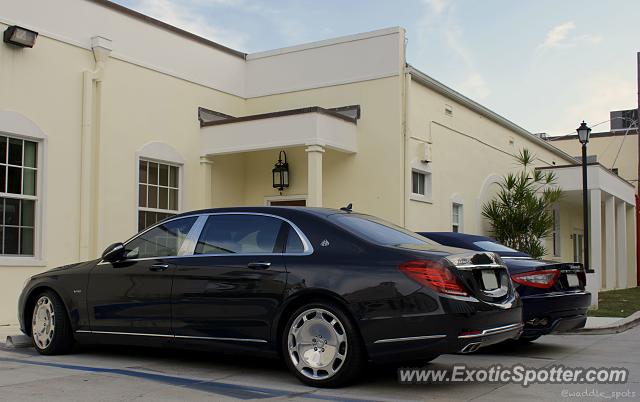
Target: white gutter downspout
{"type": "Point", "coordinates": [90, 133]}
{"type": "Point", "coordinates": [405, 137]}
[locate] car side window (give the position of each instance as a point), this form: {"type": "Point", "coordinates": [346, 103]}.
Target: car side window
{"type": "Point", "coordinates": [162, 241]}
{"type": "Point", "coordinates": [294, 243]}
{"type": "Point", "coordinates": [239, 234]}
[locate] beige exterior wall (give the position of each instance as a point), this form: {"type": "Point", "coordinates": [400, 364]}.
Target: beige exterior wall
{"type": "Point", "coordinates": [470, 154]}
{"type": "Point", "coordinates": [370, 178]}
{"type": "Point", "coordinates": [606, 149]}
{"type": "Point", "coordinates": [138, 106]}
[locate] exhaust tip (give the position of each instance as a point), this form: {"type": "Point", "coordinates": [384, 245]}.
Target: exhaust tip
{"type": "Point", "coordinates": [470, 348]}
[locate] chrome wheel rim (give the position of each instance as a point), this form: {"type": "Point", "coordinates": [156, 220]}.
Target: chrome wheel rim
{"type": "Point", "coordinates": [43, 323]}
{"type": "Point", "coordinates": [317, 344]}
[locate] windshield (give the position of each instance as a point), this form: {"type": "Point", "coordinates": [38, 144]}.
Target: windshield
{"type": "Point", "coordinates": [379, 231]}
{"type": "Point", "coordinates": [495, 247]}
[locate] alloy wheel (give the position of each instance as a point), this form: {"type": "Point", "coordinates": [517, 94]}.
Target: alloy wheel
{"type": "Point", "coordinates": [43, 322]}
{"type": "Point", "coordinates": [317, 344]}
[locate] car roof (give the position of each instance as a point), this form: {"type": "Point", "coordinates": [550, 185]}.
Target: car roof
{"type": "Point", "coordinates": [323, 212]}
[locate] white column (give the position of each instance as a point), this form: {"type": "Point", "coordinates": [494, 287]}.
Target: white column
{"type": "Point", "coordinates": [610, 241]}
{"type": "Point", "coordinates": [621, 237]}
{"type": "Point", "coordinates": [595, 245]}
{"type": "Point", "coordinates": [206, 175]}
{"type": "Point", "coordinates": [632, 253]}
{"type": "Point", "coordinates": [314, 175]}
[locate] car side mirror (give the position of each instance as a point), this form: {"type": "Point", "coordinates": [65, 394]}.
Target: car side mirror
{"type": "Point", "coordinates": [114, 253]}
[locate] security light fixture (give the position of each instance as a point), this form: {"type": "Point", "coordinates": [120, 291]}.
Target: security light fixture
{"type": "Point", "coordinates": [281, 172]}
{"type": "Point", "coordinates": [583, 133]}
{"type": "Point", "coordinates": [19, 36]}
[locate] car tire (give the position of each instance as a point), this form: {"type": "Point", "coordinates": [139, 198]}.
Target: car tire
{"type": "Point", "coordinates": [322, 347]}
{"type": "Point", "coordinates": [50, 325]}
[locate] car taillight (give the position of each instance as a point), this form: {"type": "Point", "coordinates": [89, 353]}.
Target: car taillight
{"type": "Point", "coordinates": [433, 275]}
{"type": "Point", "coordinates": [538, 279]}
{"type": "Point", "coordinates": [583, 278]}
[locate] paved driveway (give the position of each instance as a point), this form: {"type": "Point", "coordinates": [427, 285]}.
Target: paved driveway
{"type": "Point", "coordinates": [128, 374]}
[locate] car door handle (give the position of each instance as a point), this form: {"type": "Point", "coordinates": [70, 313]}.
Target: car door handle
{"type": "Point", "coordinates": [259, 265]}
{"type": "Point", "coordinates": [158, 267]}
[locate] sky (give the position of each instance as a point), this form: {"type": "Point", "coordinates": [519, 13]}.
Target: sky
{"type": "Point", "coordinates": [546, 65]}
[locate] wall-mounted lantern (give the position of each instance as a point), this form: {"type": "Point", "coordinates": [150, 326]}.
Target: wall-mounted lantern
{"type": "Point", "coordinates": [19, 36]}
{"type": "Point", "coordinates": [281, 172]}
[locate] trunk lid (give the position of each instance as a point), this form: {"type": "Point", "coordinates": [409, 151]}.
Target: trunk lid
{"type": "Point", "coordinates": [483, 274]}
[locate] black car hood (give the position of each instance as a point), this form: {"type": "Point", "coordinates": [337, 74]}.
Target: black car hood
{"type": "Point", "coordinates": [64, 268]}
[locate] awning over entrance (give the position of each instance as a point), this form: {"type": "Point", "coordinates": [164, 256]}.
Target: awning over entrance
{"type": "Point", "coordinates": [611, 222]}
{"type": "Point", "coordinates": [289, 128]}
{"type": "Point", "coordinates": [569, 178]}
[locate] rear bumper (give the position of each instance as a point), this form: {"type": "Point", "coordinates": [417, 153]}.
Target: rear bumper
{"type": "Point", "coordinates": [429, 335]}
{"type": "Point", "coordinates": [563, 312]}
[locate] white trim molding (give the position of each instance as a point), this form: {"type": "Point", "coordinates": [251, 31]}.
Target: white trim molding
{"type": "Point", "coordinates": [162, 153]}
{"type": "Point", "coordinates": [17, 125]}
{"type": "Point", "coordinates": [425, 169]}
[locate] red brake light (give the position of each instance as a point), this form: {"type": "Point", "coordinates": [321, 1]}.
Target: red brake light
{"type": "Point", "coordinates": [433, 275]}
{"type": "Point", "coordinates": [538, 279]}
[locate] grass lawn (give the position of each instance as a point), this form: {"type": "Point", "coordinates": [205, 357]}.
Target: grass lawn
{"type": "Point", "coordinates": [617, 303]}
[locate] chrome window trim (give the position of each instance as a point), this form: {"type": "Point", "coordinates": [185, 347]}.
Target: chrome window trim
{"type": "Point", "coordinates": [308, 248]}
{"type": "Point", "coordinates": [189, 243]}
{"type": "Point", "coordinates": [410, 338]}
{"type": "Point", "coordinates": [196, 230]}
{"type": "Point", "coordinates": [209, 338]}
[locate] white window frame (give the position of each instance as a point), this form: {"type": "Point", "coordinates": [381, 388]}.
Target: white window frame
{"type": "Point", "coordinates": [425, 169]}
{"type": "Point", "coordinates": [159, 152]}
{"type": "Point", "coordinates": [460, 223]}
{"type": "Point", "coordinates": [16, 125]}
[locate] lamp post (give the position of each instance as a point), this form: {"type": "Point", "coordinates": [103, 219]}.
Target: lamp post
{"type": "Point", "coordinates": [583, 137]}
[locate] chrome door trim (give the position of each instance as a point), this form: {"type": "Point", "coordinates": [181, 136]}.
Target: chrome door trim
{"type": "Point", "coordinates": [217, 338]}
{"type": "Point", "coordinates": [410, 338]}
{"type": "Point", "coordinates": [81, 331]}
{"type": "Point", "coordinates": [208, 338]}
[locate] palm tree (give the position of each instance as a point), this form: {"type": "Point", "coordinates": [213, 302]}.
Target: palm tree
{"type": "Point", "coordinates": [520, 215]}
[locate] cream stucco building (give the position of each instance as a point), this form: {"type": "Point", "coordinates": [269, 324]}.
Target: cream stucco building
{"type": "Point", "coordinates": [114, 120]}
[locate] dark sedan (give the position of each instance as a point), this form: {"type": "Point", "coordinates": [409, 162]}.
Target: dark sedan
{"type": "Point", "coordinates": [553, 294]}
{"type": "Point", "coordinates": [325, 289]}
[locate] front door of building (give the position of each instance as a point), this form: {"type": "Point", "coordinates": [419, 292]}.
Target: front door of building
{"type": "Point", "coordinates": [288, 203]}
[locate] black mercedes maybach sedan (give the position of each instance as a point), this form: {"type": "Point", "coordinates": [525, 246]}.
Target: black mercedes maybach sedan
{"type": "Point", "coordinates": [327, 290]}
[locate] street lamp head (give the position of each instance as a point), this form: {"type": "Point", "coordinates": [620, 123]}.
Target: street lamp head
{"type": "Point", "coordinates": [583, 133]}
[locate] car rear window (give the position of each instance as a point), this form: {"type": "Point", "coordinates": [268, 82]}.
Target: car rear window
{"type": "Point", "coordinates": [495, 247]}
{"type": "Point", "coordinates": [378, 231]}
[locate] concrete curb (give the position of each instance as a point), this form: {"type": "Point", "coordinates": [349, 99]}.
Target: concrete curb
{"type": "Point", "coordinates": [624, 324]}
{"type": "Point", "coordinates": [17, 341]}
